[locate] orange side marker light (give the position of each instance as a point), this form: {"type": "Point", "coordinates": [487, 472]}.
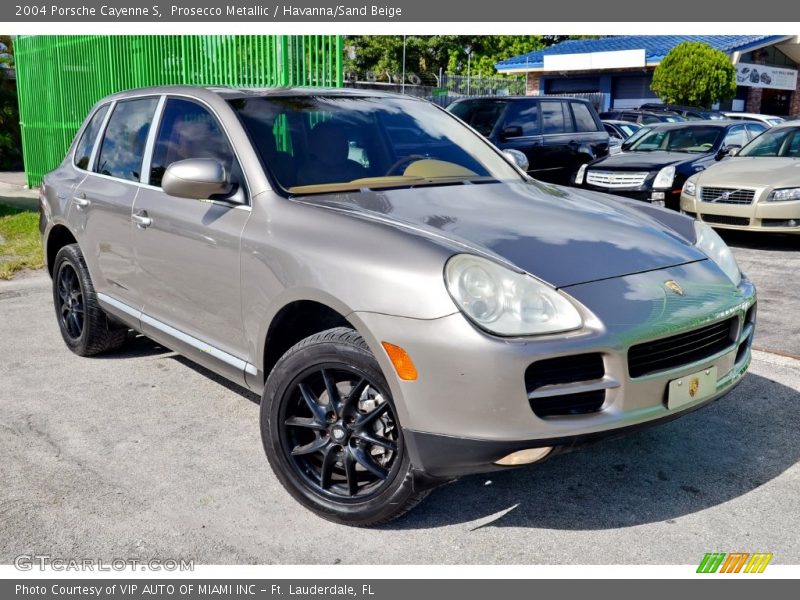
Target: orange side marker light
{"type": "Point", "coordinates": [402, 362]}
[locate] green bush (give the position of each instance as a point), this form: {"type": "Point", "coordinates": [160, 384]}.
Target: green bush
{"type": "Point", "coordinates": [694, 73]}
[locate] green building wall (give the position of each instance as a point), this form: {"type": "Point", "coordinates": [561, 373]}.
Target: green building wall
{"type": "Point", "coordinates": [59, 78]}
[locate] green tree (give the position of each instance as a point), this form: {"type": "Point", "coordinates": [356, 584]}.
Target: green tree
{"type": "Point", "coordinates": [10, 139]}
{"type": "Point", "coordinates": [383, 54]}
{"type": "Point", "coordinates": [694, 73]}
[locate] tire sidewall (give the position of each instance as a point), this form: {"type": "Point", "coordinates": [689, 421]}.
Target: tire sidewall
{"type": "Point", "coordinates": [71, 255]}
{"type": "Point", "coordinates": [375, 508]}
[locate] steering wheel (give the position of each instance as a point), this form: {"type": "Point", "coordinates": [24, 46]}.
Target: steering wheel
{"type": "Point", "coordinates": [406, 159]}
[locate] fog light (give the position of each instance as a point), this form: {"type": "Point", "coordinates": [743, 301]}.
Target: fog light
{"type": "Point", "coordinates": [657, 196]}
{"type": "Point", "coordinates": [524, 457]}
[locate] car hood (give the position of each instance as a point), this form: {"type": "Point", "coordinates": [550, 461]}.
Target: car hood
{"type": "Point", "coordinates": [560, 235]}
{"type": "Point", "coordinates": [644, 161]}
{"type": "Point", "coordinates": [756, 171]}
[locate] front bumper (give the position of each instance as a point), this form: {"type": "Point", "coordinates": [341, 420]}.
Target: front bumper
{"type": "Point", "coordinates": [470, 405]}
{"type": "Point", "coordinates": [776, 217]}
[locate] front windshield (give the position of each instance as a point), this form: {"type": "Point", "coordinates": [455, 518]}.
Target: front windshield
{"type": "Point", "coordinates": [326, 144]}
{"type": "Point", "coordinates": [695, 140]}
{"type": "Point", "coordinates": [775, 121]}
{"type": "Point", "coordinates": [784, 141]}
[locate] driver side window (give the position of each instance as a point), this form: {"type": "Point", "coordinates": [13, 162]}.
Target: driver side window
{"type": "Point", "coordinates": [737, 136]}
{"type": "Point", "coordinates": [188, 130]}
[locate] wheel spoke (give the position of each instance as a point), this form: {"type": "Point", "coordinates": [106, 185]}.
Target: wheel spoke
{"type": "Point", "coordinates": [372, 416]}
{"type": "Point", "coordinates": [304, 422]}
{"type": "Point", "coordinates": [326, 471]}
{"type": "Point", "coordinates": [315, 446]}
{"type": "Point", "coordinates": [350, 402]}
{"type": "Point", "coordinates": [333, 392]}
{"type": "Point", "coordinates": [350, 472]}
{"type": "Point", "coordinates": [376, 440]}
{"type": "Point", "coordinates": [317, 410]}
{"type": "Point", "coordinates": [365, 460]}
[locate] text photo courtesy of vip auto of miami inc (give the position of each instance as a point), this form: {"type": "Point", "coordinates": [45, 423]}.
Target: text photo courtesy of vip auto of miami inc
{"type": "Point", "coordinates": [338, 298]}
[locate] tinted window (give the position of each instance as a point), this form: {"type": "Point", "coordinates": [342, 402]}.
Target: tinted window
{"type": "Point", "coordinates": [188, 130]}
{"type": "Point", "coordinates": [737, 136]}
{"type": "Point", "coordinates": [482, 115]}
{"type": "Point", "coordinates": [584, 121]}
{"type": "Point", "coordinates": [83, 151]}
{"type": "Point", "coordinates": [554, 118]}
{"type": "Point", "coordinates": [123, 144]}
{"type": "Point", "coordinates": [524, 115]}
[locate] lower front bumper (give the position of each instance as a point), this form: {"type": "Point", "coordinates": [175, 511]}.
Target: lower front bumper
{"type": "Point", "coordinates": [444, 456]}
{"type": "Point", "coordinates": [775, 217]}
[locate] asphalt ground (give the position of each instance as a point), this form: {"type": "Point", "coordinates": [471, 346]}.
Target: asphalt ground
{"type": "Point", "coordinates": [142, 454]}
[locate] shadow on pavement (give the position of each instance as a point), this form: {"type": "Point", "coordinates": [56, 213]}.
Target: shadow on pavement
{"type": "Point", "coordinates": [760, 241]}
{"type": "Point", "coordinates": [693, 463]}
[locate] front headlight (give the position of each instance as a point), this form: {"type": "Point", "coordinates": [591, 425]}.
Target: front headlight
{"type": "Point", "coordinates": [715, 248]}
{"type": "Point", "coordinates": [504, 302]}
{"type": "Point", "coordinates": [690, 188]}
{"type": "Point", "coordinates": [579, 175]}
{"type": "Point", "coordinates": [664, 178]}
{"type": "Point", "coordinates": [784, 195]}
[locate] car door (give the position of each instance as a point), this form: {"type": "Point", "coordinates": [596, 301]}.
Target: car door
{"type": "Point", "coordinates": [102, 203]}
{"type": "Point", "coordinates": [559, 156]}
{"type": "Point", "coordinates": [519, 130]}
{"type": "Point", "coordinates": [187, 249]}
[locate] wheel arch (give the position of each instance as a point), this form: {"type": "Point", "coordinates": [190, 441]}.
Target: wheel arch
{"type": "Point", "coordinates": [295, 321]}
{"type": "Point", "coordinates": [59, 236]}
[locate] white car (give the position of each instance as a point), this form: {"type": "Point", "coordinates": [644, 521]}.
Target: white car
{"type": "Point", "coordinates": [768, 120]}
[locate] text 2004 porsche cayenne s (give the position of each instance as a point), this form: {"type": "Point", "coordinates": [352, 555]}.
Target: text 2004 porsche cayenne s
{"type": "Point", "coordinates": [410, 305]}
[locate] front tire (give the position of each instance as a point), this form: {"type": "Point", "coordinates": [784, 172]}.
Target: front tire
{"type": "Point", "coordinates": [84, 326]}
{"type": "Point", "coordinates": [331, 433]}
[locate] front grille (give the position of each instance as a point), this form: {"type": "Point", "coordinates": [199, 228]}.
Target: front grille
{"type": "Point", "coordinates": [727, 220]}
{"type": "Point", "coordinates": [615, 179]}
{"type": "Point", "coordinates": [566, 369]}
{"type": "Point", "coordinates": [679, 350]}
{"type": "Point", "coordinates": [726, 195]}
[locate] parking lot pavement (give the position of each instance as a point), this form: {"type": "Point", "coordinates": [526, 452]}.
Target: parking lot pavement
{"type": "Point", "coordinates": [140, 454]}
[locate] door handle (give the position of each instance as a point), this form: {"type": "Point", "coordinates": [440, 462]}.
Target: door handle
{"type": "Point", "coordinates": [81, 201]}
{"type": "Point", "coordinates": [141, 219]}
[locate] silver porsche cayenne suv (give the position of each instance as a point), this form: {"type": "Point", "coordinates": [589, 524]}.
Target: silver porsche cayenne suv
{"type": "Point", "coordinates": [410, 305]}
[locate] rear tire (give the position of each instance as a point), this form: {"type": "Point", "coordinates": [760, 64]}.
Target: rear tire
{"type": "Point", "coordinates": [83, 324]}
{"type": "Point", "coordinates": [331, 434]}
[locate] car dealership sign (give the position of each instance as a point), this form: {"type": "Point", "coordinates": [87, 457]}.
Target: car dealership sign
{"type": "Point", "coordinates": [764, 76]}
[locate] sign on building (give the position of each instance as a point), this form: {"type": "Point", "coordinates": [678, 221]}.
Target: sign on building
{"type": "Point", "coordinates": [765, 76]}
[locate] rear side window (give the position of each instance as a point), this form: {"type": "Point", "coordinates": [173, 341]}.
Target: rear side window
{"type": "Point", "coordinates": [83, 151]}
{"type": "Point", "coordinates": [584, 121]}
{"type": "Point", "coordinates": [555, 117]}
{"type": "Point", "coordinates": [188, 130]}
{"type": "Point", "coordinates": [524, 115]}
{"type": "Point", "coordinates": [736, 136]}
{"type": "Point", "coordinates": [122, 150]}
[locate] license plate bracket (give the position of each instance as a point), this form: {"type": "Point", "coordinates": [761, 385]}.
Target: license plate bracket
{"type": "Point", "coordinates": [691, 388]}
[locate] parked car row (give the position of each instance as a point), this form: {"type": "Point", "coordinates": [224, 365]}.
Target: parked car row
{"type": "Point", "coordinates": [410, 305]}
{"type": "Point", "coordinates": [681, 157]}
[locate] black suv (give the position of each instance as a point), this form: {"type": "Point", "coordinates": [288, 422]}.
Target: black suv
{"type": "Point", "coordinates": [643, 117]}
{"type": "Point", "coordinates": [557, 135]}
{"type": "Point", "coordinates": [692, 113]}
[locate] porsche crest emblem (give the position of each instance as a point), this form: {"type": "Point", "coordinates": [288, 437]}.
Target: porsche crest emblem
{"type": "Point", "coordinates": [694, 387]}
{"type": "Point", "coordinates": [674, 286]}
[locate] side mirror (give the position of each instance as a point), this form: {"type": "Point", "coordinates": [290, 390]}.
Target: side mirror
{"type": "Point", "coordinates": [731, 150]}
{"type": "Point", "coordinates": [513, 131]}
{"type": "Point", "coordinates": [198, 178]}
{"type": "Point", "coordinates": [518, 158]}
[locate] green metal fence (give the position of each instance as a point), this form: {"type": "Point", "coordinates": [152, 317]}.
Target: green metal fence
{"type": "Point", "coordinates": [59, 78]}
